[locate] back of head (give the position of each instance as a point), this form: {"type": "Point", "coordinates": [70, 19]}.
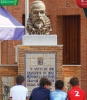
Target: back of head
{"type": "Point", "coordinates": [19, 79]}
{"type": "Point", "coordinates": [74, 81]}
{"type": "Point", "coordinates": [44, 81]}
{"type": "Point", "coordinates": [59, 84]}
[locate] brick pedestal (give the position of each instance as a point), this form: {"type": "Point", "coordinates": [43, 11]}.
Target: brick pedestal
{"type": "Point", "coordinates": [51, 49]}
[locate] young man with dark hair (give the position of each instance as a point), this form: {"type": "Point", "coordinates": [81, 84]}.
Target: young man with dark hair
{"type": "Point", "coordinates": [41, 92]}
{"type": "Point", "coordinates": [58, 94]}
{"type": "Point", "coordinates": [76, 93]}
{"type": "Point", "coordinates": [19, 92]}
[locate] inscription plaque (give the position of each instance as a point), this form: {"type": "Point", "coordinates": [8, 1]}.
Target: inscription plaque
{"type": "Point", "coordinates": [39, 65]}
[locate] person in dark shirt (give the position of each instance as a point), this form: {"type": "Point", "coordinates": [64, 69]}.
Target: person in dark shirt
{"type": "Point", "coordinates": [42, 92]}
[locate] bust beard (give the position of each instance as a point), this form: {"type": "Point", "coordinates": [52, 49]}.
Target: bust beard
{"type": "Point", "coordinates": [39, 26]}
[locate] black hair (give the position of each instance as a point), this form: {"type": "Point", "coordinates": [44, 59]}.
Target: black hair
{"type": "Point", "coordinates": [45, 81]}
{"type": "Point", "coordinates": [19, 79]}
{"type": "Point", "coordinates": [59, 84]}
{"type": "Point", "coordinates": [74, 81]}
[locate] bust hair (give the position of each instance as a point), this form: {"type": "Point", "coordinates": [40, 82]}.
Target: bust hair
{"type": "Point", "coordinates": [35, 4]}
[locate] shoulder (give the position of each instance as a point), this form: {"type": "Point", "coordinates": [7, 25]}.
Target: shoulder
{"type": "Point", "coordinates": [24, 88]}
{"type": "Point", "coordinates": [76, 90]}
{"type": "Point", "coordinates": [82, 91]}
{"type": "Point", "coordinates": [12, 88]}
{"type": "Point", "coordinates": [47, 90]}
{"type": "Point", "coordinates": [40, 89]}
{"type": "Point", "coordinates": [64, 93]}
{"type": "Point", "coordinates": [35, 89]}
{"type": "Point", "coordinates": [51, 93]}
{"type": "Point", "coordinates": [61, 92]}
{"type": "Point", "coordinates": [70, 91]}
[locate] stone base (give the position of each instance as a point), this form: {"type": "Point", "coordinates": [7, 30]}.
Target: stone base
{"type": "Point", "coordinates": [44, 60]}
{"type": "Point", "coordinates": [39, 40]}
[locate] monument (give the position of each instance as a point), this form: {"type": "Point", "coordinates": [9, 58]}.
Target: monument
{"type": "Point", "coordinates": [38, 26]}
{"type": "Point", "coordinates": [39, 55]}
{"type": "Point", "coordinates": [38, 22]}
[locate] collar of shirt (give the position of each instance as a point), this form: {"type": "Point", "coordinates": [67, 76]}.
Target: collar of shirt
{"type": "Point", "coordinates": [18, 84]}
{"type": "Point", "coordinates": [41, 86]}
{"type": "Point", "coordinates": [75, 87]}
{"type": "Point", "coordinates": [58, 90]}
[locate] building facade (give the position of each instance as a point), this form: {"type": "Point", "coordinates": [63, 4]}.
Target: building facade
{"type": "Point", "coordinates": [69, 23]}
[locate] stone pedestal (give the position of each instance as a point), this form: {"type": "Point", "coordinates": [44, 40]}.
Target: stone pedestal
{"type": "Point", "coordinates": [39, 56]}
{"type": "Point", "coordinates": [39, 40]}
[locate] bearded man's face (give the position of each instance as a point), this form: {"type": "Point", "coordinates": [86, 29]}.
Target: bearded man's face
{"type": "Point", "coordinates": [38, 14]}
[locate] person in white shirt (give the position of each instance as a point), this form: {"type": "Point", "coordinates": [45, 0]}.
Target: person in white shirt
{"type": "Point", "coordinates": [19, 92]}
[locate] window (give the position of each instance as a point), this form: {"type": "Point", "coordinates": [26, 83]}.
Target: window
{"type": "Point", "coordinates": [23, 19]}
